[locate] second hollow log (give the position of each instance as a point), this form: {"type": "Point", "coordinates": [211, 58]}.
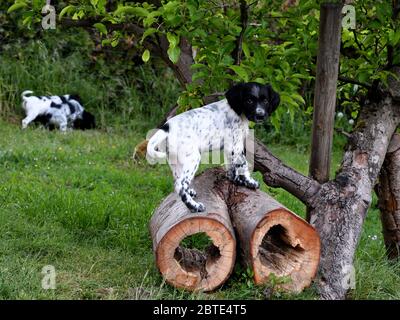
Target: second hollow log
{"type": "Point", "coordinates": [273, 239]}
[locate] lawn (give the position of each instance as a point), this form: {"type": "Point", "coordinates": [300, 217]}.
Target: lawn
{"type": "Point", "coordinates": [78, 202]}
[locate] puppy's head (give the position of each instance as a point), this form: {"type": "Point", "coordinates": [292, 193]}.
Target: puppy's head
{"type": "Point", "coordinates": [75, 97]}
{"type": "Point", "coordinates": [254, 100]}
{"type": "Point", "coordinates": [86, 122]}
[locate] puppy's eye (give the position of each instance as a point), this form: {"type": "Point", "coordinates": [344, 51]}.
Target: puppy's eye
{"type": "Point", "coordinates": [249, 101]}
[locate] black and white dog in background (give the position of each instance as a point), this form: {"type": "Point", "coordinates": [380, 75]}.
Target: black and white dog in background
{"type": "Point", "coordinates": [221, 125]}
{"type": "Point", "coordinates": [63, 112]}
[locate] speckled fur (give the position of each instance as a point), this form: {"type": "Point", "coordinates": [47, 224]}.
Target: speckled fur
{"type": "Point", "coordinates": [60, 111]}
{"type": "Point", "coordinates": [221, 125]}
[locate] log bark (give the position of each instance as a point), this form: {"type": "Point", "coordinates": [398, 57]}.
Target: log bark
{"type": "Point", "coordinates": [388, 192]}
{"type": "Point", "coordinates": [274, 240]}
{"type": "Point", "coordinates": [172, 222]}
{"type": "Point", "coordinates": [325, 90]}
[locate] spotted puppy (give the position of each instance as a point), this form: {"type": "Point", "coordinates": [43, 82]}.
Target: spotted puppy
{"type": "Point", "coordinates": [56, 111]}
{"type": "Point", "coordinates": [221, 125]}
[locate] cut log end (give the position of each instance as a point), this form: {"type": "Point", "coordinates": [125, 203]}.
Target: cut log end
{"type": "Point", "coordinates": [286, 246]}
{"type": "Point", "coordinates": [194, 269]}
{"type": "Point", "coordinates": [272, 238]}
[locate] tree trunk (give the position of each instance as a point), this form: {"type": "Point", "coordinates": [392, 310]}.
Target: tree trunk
{"type": "Point", "coordinates": [273, 239]}
{"type": "Point", "coordinates": [172, 222]}
{"type": "Point", "coordinates": [338, 207]}
{"type": "Point", "coordinates": [388, 191]}
{"type": "Point", "coordinates": [325, 90]}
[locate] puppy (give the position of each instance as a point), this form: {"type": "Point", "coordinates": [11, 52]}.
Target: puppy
{"type": "Point", "coordinates": [221, 125]}
{"type": "Point", "coordinates": [56, 111]}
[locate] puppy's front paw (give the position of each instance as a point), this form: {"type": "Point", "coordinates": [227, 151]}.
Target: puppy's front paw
{"type": "Point", "coordinates": [252, 184]}
{"type": "Point", "coordinates": [199, 207]}
{"type": "Point", "coordinates": [239, 180]}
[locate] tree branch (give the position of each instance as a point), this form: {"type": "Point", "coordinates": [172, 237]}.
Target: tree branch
{"type": "Point", "coordinates": [353, 81]}
{"type": "Point", "coordinates": [276, 174]}
{"type": "Point", "coordinates": [88, 23]}
{"type": "Point", "coordinates": [244, 21]}
{"type": "Point", "coordinates": [181, 68]}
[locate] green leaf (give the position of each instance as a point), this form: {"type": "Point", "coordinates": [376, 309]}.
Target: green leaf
{"type": "Point", "coordinates": [147, 33]}
{"type": "Point", "coordinates": [27, 20]}
{"type": "Point", "coordinates": [115, 42]}
{"type": "Point", "coordinates": [172, 39]}
{"type": "Point", "coordinates": [136, 11]}
{"type": "Point", "coordinates": [174, 53]}
{"type": "Point", "coordinates": [101, 27]}
{"type": "Point", "coordinates": [68, 9]}
{"type": "Point", "coordinates": [16, 6]}
{"type": "Point", "coordinates": [241, 72]}
{"type": "Point", "coordinates": [298, 97]}
{"type": "Point", "coordinates": [394, 38]}
{"type": "Point", "coordinates": [146, 55]}
{"type": "Point", "coordinates": [246, 50]}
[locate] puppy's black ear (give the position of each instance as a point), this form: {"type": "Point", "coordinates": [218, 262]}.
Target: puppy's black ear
{"type": "Point", "coordinates": [89, 120]}
{"type": "Point", "coordinates": [235, 96]}
{"type": "Point", "coordinates": [274, 99]}
{"type": "Point", "coordinates": [86, 122]}
{"type": "Point", "coordinates": [75, 97]}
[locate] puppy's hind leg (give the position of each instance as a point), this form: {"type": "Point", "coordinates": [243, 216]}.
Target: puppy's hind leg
{"type": "Point", "coordinates": [184, 178]}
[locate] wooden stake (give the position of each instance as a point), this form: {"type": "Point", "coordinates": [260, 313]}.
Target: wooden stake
{"type": "Point", "coordinates": [325, 90]}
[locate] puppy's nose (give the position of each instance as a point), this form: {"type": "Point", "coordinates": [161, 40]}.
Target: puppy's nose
{"type": "Point", "coordinates": [260, 112]}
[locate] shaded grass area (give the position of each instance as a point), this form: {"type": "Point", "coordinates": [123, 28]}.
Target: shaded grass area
{"type": "Point", "coordinates": [78, 202]}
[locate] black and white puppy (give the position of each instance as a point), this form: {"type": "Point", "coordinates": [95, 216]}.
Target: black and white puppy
{"type": "Point", "coordinates": [56, 111]}
{"type": "Point", "coordinates": [220, 125]}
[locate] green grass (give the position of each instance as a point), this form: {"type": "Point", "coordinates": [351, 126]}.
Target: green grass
{"type": "Point", "coordinates": [78, 202]}
{"type": "Point", "coordinates": [61, 62]}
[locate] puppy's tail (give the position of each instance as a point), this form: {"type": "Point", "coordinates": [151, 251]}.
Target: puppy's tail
{"type": "Point", "coordinates": [26, 93]}
{"type": "Point", "coordinates": [154, 142]}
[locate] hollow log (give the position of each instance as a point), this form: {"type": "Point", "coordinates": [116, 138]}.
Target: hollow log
{"type": "Point", "coordinates": [274, 240]}
{"type": "Point", "coordinates": [192, 269]}
{"type": "Point", "coordinates": [388, 192]}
